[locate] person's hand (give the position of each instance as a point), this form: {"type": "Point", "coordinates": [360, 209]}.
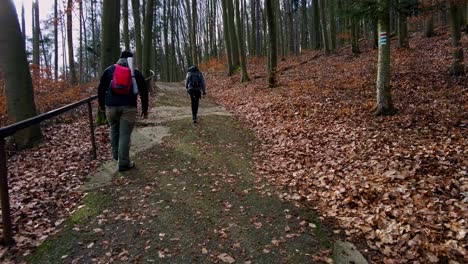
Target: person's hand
{"type": "Point", "coordinates": [144, 115]}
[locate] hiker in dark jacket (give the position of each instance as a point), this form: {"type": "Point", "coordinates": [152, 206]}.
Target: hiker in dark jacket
{"type": "Point", "coordinates": [118, 96]}
{"type": "Point", "coordinates": [195, 85]}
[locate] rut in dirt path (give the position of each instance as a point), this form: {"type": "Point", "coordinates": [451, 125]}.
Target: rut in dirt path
{"type": "Point", "coordinates": [192, 198]}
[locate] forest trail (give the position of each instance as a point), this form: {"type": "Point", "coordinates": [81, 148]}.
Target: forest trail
{"type": "Point", "coordinates": [192, 198]}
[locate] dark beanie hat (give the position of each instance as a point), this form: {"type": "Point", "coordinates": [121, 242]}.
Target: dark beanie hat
{"type": "Point", "coordinates": [126, 54]}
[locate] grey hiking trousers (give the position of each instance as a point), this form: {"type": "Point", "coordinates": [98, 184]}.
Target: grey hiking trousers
{"type": "Point", "coordinates": [121, 120]}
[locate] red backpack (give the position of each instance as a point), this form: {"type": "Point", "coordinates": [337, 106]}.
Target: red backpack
{"type": "Point", "coordinates": [122, 80]}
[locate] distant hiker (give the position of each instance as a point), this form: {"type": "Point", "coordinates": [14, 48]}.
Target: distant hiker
{"type": "Point", "coordinates": [117, 94]}
{"type": "Point", "coordinates": [195, 85]}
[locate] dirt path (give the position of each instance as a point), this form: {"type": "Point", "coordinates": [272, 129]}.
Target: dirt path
{"type": "Point", "coordinates": [192, 198]}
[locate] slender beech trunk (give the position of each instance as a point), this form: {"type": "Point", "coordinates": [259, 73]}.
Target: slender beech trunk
{"type": "Point", "coordinates": [81, 42]}
{"type": "Point", "coordinates": [137, 22]}
{"type": "Point", "coordinates": [304, 31]}
{"type": "Point", "coordinates": [323, 23]}
{"type": "Point", "coordinates": [85, 34]}
{"type": "Point", "coordinates": [93, 33]}
{"type": "Point", "coordinates": [458, 67]}
{"type": "Point", "coordinates": [253, 36]}
{"type": "Point", "coordinates": [429, 26]}
{"type": "Point", "coordinates": [191, 33]}
{"type": "Point", "coordinates": [232, 34]}
{"type": "Point", "coordinates": [110, 44]}
{"type": "Point", "coordinates": [23, 22]}
{"type": "Point", "coordinates": [126, 34]}
{"type": "Point", "coordinates": [240, 39]}
{"type": "Point", "coordinates": [316, 25]}
{"type": "Point", "coordinates": [71, 58]}
{"type": "Point", "coordinates": [384, 97]}
{"type": "Point", "coordinates": [227, 39]}
{"type": "Point", "coordinates": [36, 37]}
{"type": "Point", "coordinates": [272, 53]}
{"type": "Point", "coordinates": [355, 36]}
{"type": "Point", "coordinates": [18, 83]}
{"type": "Point", "coordinates": [194, 32]}
{"type": "Point", "coordinates": [331, 18]}
{"type": "Point", "coordinates": [402, 27]}
{"type": "Point", "coordinates": [56, 59]}
{"type": "Point", "coordinates": [148, 29]}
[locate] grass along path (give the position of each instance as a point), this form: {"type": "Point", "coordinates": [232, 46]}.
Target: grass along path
{"type": "Point", "coordinates": [192, 198]}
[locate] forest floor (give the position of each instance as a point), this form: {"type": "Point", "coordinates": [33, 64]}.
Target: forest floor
{"type": "Point", "coordinates": [398, 182]}
{"type": "Point", "coordinates": [193, 197]}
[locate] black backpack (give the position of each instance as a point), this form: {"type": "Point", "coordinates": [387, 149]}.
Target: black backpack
{"type": "Point", "coordinates": [195, 81]}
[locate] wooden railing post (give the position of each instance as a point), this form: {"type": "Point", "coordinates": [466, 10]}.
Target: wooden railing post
{"type": "Point", "coordinates": [91, 126]}
{"type": "Point", "coordinates": [6, 217]}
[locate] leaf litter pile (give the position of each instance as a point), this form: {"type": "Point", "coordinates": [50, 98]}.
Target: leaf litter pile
{"type": "Point", "coordinates": [398, 182]}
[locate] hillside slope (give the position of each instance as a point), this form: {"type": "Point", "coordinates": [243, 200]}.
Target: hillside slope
{"type": "Point", "coordinates": [398, 182]}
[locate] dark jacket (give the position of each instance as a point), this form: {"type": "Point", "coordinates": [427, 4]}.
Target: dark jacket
{"type": "Point", "coordinates": [194, 70]}
{"type": "Point", "coordinates": [107, 98]}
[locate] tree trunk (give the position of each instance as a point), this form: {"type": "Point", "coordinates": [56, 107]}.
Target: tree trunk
{"type": "Point", "coordinates": [110, 44]}
{"type": "Point", "coordinates": [232, 35]}
{"type": "Point", "coordinates": [191, 33]}
{"type": "Point", "coordinates": [166, 40]}
{"type": "Point", "coordinates": [81, 41]}
{"type": "Point", "coordinates": [290, 25]}
{"type": "Point", "coordinates": [18, 83]}
{"type": "Point", "coordinates": [375, 33]}
{"type": "Point", "coordinates": [272, 56]}
{"type": "Point", "coordinates": [323, 23]}
{"type": "Point", "coordinates": [240, 39]}
{"type": "Point", "coordinates": [304, 33]}
{"type": "Point", "coordinates": [384, 98]}
{"type": "Point", "coordinates": [137, 22]}
{"type": "Point", "coordinates": [56, 40]}
{"type": "Point", "coordinates": [355, 36]}
{"type": "Point", "coordinates": [402, 27]}
{"type": "Point", "coordinates": [227, 39]}
{"type": "Point", "coordinates": [23, 22]}
{"type": "Point", "coordinates": [429, 26]}
{"type": "Point", "coordinates": [458, 67]}
{"type": "Point", "coordinates": [36, 37]}
{"type": "Point", "coordinates": [316, 25]}
{"type": "Point", "coordinates": [126, 34]}
{"type": "Point", "coordinates": [331, 18]}
{"type": "Point", "coordinates": [71, 57]}
{"type": "Point", "coordinates": [253, 36]}
{"type": "Point", "coordinates": [148, 38]}
{"type": "Point", "coordinates": [194, 32]}
{"type": "Point", "coordinates": [86, 58]}
{"type": "Point", "coordinates": [93, 33]}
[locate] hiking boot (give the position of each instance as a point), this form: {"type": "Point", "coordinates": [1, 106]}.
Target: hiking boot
{"type": "Point", "coordinates": [130, 166]}
{"type": "Point", "coordinates": [194, 120]}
